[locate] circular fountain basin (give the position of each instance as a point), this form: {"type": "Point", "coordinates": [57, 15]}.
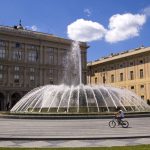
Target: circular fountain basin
{"type": "Point", "coordinates": [79, 99]}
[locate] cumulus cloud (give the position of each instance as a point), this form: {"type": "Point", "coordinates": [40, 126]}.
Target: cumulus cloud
{"type": "Point", "coordinates": [85, 30]}
{"type": "Point", "coordinates": [87, 12]}
{"type": "Point", "coordinates": [121, 27]}
{"type": "Point", "coordinates": [125, 26]}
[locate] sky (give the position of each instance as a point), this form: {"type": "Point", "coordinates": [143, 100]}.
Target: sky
{"type": "Point", "coordinates": [108, 26]}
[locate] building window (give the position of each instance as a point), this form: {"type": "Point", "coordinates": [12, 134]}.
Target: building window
{"type": "Point", "coordinates": [51, 71]}
{"type": "Point", "coordinates": [51, 81]}
{"type": "Point", "coordinates": [1, 76]}
{"type": "Point", "coordinates": [2, 52]}
{"type": "Point", "coordinates": [16, 68]}
{"type": "Point", "coordinates": [95, 80]}
{"type": "Point", "coordinates": [32, 47]}
{"type": "Point", "coordinates": [121, 65]}
{"type": "Point", "coordinates": [131, 63]}
{"type": "Point", "coordinates": [1, 67]}
{"type": "Point", "coordinates": [112, 78]}
{"type": "Point", "coordinates": [32, 78]}
{"type": "Point", "coordinates": [51, 59]}
{"type": "Point", "coordinates": [141, 73]}
{"type": "Point", "coordinates": [33, 56]}
{"type": "Point", "coordinates": [142, 86]}
{"type": "Point", "coordinates": [17, 45]}
{"type": "Point", "coordinates": [16, 78]}
{"type": "Point", "coordinates": [142, 97]}
{"type": "Point", "coordinates": [50, 50]}
{"type": "Point", "coordinates": [131, 75]}
{"type": "Point", "coordinates": [50, 53]}
{"type": "Point", "coordinates": [132, 87]}
{"type": "Point", "coordinates": [121, 76]}
{"type": "Point", "coordinates": [141, 61]}
{"type": "Point", "coordinates": [2, 43]}
{"type": "Point", "coordinates": [32, 70]}
{"type": "Point", "coordinates": [104, 79]}
{"type": "Point", "coordinates": [17, 55]}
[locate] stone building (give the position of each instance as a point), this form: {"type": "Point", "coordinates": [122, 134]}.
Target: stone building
{"type": "Point", "coordinates": [128, 69]}
{"type": "Point", "coordinates": [29, 59]}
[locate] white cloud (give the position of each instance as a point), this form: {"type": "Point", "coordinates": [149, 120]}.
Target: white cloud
{"type": "Point", "coordinates": [33, 28]}
{"type": "Point", "coordinates": [146, 11]}
{"type": "Point", "coordinates": [85, 30]}
{"type": "Point", "coordinates": [125, 26]}
{"type": "Point", "coordinates": [87, 12]}
{"type": "Point", "coordinates": [121, 27]}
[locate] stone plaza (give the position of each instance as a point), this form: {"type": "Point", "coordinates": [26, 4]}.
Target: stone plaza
{"type": "Point", "coordinates": [72, 132]}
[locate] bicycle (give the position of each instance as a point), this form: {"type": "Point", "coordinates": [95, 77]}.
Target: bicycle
{"type": "Point", "coordinates": [114, 122]}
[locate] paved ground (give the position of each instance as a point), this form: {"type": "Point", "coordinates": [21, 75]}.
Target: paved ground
{"type": "Point", "coordinates": [75, 143]}
{"type": "Point", "coordinates": [72, 133]}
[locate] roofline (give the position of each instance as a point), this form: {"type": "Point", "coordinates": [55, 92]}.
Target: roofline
{"type": "Point", "coordinates": [38, 35]}
{"type": "Point", "coordinates": [120, 55]}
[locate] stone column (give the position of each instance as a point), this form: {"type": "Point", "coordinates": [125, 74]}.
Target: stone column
{"type": "Point", "coordinates": [126, 74]}
{"type": "Point", "coordinates": [116, 75]}
{"type": "Point", "coordinates": [146, 68]}
{"type": "Point", "coordinates": [9, 67]}
{"type": "Point", "coordinates": [7, 103]}
{"type": "Point", "coordinates": [42, 63]}
{"type": "Point", "coordinates": [25, 66]}
{"type": "Point", "coordinates": [136, 69]}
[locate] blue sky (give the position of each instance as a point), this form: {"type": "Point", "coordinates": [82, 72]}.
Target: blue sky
{"type": "Point", "coordinates": [85, 20]}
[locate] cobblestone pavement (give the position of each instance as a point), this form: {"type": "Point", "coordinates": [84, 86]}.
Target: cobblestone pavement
{"type": "Point", "coordinates": [72, 133]}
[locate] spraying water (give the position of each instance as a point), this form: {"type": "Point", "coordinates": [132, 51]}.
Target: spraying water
{"type": "Point", "coordinates": [76, 53]}
{"type": "Point", "coordinates": [73, 66]}
{"type": "Point", "coordinates": [79, 99]}
{"type": "Point", "coordinates": [76, 97]}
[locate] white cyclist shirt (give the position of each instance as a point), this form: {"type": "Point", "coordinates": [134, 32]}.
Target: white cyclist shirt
{"type": "Point", "coordinates": [121, 113]}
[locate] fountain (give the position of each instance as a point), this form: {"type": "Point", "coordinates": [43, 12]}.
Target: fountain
{"type": "Point", "coordinates": [76, 97]}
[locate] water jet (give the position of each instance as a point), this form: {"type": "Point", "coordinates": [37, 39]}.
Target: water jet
{"type": "Point", "coordinates": [74, 97]}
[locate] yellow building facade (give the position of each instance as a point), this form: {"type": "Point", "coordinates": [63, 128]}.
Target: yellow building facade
{"type": "Point", "coordinates": [128, 69]}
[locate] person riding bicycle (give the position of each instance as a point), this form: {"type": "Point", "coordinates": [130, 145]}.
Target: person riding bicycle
{"type": "Point", "coordinates": [119, 115]}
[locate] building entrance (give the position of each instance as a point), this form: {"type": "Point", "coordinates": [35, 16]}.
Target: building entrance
{"type": "Point", "coordinates": [2, 97]}
{"type": "Point", "coordinates": [15, 98]}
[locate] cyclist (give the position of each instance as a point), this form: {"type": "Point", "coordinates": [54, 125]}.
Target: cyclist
{"type": "Point", "coordinates": [119, 115]}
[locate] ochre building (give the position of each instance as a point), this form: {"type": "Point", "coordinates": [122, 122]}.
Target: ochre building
{"type": "Point", "coordinates": [29, 59]}
{"type": "Point", "coordinates": [128, 69]}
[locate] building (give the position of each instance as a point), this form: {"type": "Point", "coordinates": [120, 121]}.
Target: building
{"type": "Point", "coordinates": [29, 59]}
{"type": "Point", "coordinates": [128, 69]}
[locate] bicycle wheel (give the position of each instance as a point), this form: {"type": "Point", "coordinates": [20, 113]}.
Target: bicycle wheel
{"type": "Point", "coordinates": [125, 124]}
{"type": "Point", "coordinates": [112, 124]}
